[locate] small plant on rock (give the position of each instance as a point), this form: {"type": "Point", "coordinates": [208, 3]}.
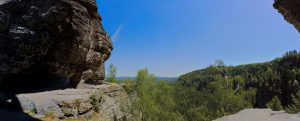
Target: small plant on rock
{"type": "Point", "coordinates": [112, 74]}
{"type": "Point", "coordinates": [49, 116]}
{"type": "Point", "coordinates": [31, 112]}
{"type": "Point", "coordinates": [96, 98]}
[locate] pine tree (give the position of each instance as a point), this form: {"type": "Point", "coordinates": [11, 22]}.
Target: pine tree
{"type": "Point", "coordinates": [275, 104]}
{"type": "Point", "coordinates": [295, 107]}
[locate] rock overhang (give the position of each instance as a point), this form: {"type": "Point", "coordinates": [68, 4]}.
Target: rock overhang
{"type": "Point", "coordinates": [51, 43]}
{"type": "Point", "coordinates": [290, 9]}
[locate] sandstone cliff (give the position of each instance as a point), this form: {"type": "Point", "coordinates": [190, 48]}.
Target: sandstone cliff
{"type": "Point", "coordinates": [290, 9]}
{"type": "Point", "coordinates": [51, 43]}
{"type": "Point", "coordinates": [47, 46]}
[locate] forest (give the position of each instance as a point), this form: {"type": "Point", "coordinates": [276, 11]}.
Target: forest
{"type": "Point", "coordinates": [216, 91]}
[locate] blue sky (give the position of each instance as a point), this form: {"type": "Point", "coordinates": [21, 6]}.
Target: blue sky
{"type": "Point", "coordinates": [173, 37]}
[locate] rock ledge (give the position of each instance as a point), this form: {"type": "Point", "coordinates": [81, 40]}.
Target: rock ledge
{"type": "Point", "coordinates": [261, 115]}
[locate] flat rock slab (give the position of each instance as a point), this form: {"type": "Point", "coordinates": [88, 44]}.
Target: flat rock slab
{"type": "Point", "coordinates": [58, 95]}
{"type": "Point", "coordinates": [76, 103]}
{"type": "Point", "coordinates": [47, 102]}
{"type": "Point", "coordinates": [261, 115]}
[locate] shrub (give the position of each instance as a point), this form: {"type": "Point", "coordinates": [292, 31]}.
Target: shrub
{"type": "Point", "coordinates": [130, 87]}
{"type": "Point", "coordinates": [275, 104]}
{"type": "Point", "coordinates": [96, 98]}
{"type": "Point", "coordinates": [295, 107]}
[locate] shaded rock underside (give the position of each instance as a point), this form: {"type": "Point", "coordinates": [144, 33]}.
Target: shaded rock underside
{"type": "Point", "coordinates": [290, 9]}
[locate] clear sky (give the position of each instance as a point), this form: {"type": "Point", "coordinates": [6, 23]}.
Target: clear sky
{"type": "Point", "coordinates": [173, 37]}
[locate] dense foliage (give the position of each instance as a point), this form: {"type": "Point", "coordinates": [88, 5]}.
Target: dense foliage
{"type": "Point", "coordinates": [216, 91]}
{"type": "Point", "coordinates": [295, 106]}
{"type": "Point", "coordinates": [154, 100]}
{"type": "Point", "coordinates": [279, 77]}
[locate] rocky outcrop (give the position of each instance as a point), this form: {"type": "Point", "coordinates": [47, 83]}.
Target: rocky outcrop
{"type": "Point", "coordinates": [45, 43]}
{"type": "Point", "coordinates": [106, 102]}
{"type": "Point", "coordinates": [261, 115]}
{"type": "Point", "coordinates": [290, 9]}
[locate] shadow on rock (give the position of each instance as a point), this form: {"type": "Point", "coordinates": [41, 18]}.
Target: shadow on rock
{"type": "Point", "coordinates": [10, 110]}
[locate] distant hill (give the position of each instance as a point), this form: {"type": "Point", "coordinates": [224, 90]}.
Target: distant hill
{"type": "Point", "coordinates": [167, 78]}
{"type": "Point", "coordinates": [158, 78]}
{"type": "Point", "coordinates": [280, 77]}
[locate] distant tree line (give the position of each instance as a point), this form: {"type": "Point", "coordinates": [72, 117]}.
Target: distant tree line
{"type": "Point", "coordinates": [276, 81]}
{"type": "Point", "coordinates": [216, 91]}
{"type": "Point", "coordinates": [153, 100]}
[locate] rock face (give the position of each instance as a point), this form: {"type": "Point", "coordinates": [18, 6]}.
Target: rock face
{"type": "Point", "coordinates": [104, 101]}
{"type": "Point", "coordinates": [51, 43]}
{"type": "Point", "coordinates": [290, 9]}
{"type": "Point", "coordinates": [261, 115]}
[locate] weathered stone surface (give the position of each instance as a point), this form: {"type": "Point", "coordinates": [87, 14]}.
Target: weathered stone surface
{"type": "Point", "coordinates": [26, 103]}
{"type": "Point", "coordinates": [51, 43]}
{"type": "Point", "coordinates": [48, 107]}
{"type": "Point", "coordinates": [261, 115]}
{"type": "Point", "coordinates": [77, 103]}
{"type": "Point", "coordinates": [290, 9]}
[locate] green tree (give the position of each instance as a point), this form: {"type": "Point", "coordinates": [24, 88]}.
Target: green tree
{"type": "Point", "coordinates": [112, 74]}
{"type": "Point", "coordinates": [275, 104]}
{"type": "Point", "coordinates": [223, 101]}
{"type": "Point", "coordinates": [130, 86]}
{"type": "Point", "coordinates": [142, 77]}
{"type": "Point", "coordinates": [221, 66]}
{"type": "Point", "coordinates": [238, 83]}
{"type": "Point", "coordinates": [219, 63]}
{"type": "Point", "coordinates": [295, 107]}
{"type": "Point", "coordinates": [155, 100]}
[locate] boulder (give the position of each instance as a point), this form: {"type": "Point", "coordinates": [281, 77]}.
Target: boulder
{"type": "Point", "coordinates": [51, 43]}
{"type": "Point", "coordinates": [77, 103]}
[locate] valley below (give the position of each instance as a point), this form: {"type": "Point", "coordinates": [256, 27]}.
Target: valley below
{"type": "Point", "coordinates": [52, 68]}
